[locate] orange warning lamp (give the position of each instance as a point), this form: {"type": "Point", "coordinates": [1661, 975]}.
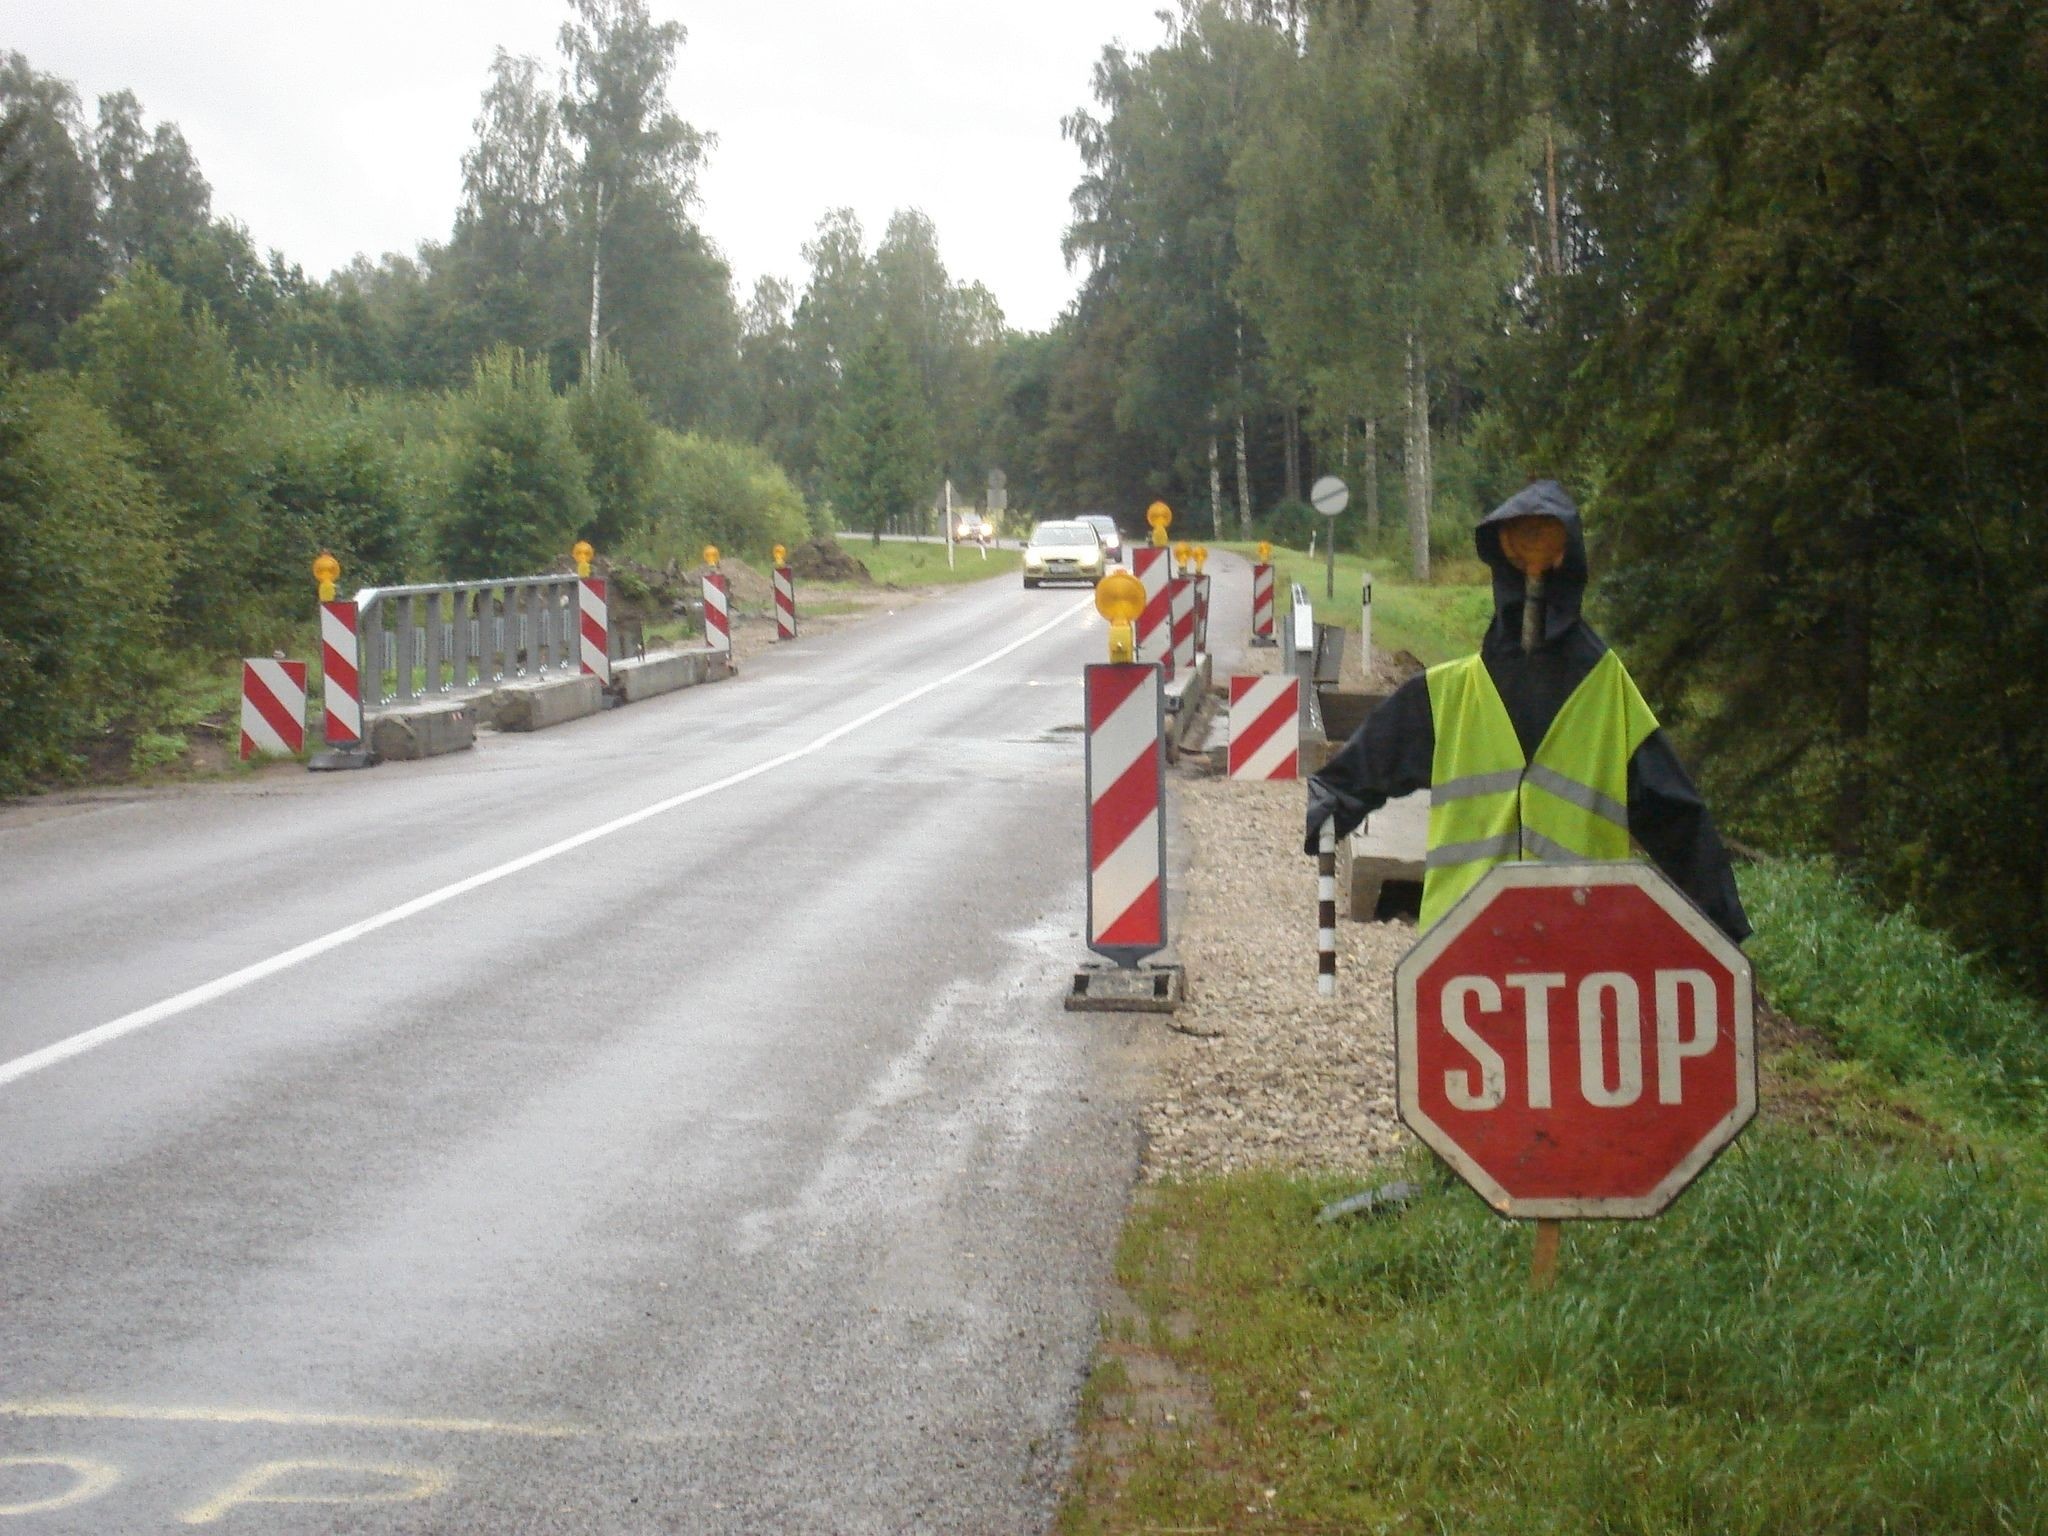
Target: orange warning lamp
{"type": "Point", "coordinates": [711, 556]}
{"type": "Point", "coordinates": [780, 554]}
{"type": "Point", "coordinates": [1265, 552]}
{"type": "Point", "coordinates": [1160, 516]}
{"type": "Point", "coordinates": [1181, 554]}
{"type": "Point", "coordinates": [1201, 557]}
{"type": "Point", "coordinates": [1533, 545]}
{"type": "Point", "coordinates": [326, 571]}
{"type": "Point", "coordinates": [583, 552]}
{"type": "Point", "coordinates": [1120, 598]}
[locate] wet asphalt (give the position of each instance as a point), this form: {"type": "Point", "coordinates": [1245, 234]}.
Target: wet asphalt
{"type": "Point", "coordinates": [736, 1170]}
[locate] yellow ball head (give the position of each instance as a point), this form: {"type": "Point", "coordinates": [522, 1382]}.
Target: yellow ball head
{"type": "Point", "coordinates": [1120, 598]}
{"type": "Point", "coordinates": [326, 571]}
{"type": "Point", "coordinates": [711, 556]}
{"type": "Point", "coordinates": [1534, 545]}
{"type": "Point", "coordinates": [1201, 557]}
{"type": "Point", "coordinates": [1265, 552]}
{"type": "Point", "coordinates": [1159, 515]}
{"type": "Point", "coordinates": [780, 554]}
{"type": "Point", "coordinates": [583, 552]}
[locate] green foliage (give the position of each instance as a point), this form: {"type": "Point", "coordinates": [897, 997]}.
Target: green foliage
{"type": "Point", "coordinates": [170, 382]}
{"type": "Point", "coordinates": [611, 426]}
{"type": "Point", "coordinates": [713, 491]}
{"type": "Point", "coordinates": [51, 266]}
{"type": "Point", "coordinates": [86, 576]}
{"type": "Point", "coordinates": [881, 460]}
{"type": "Point", "coordinates": [329, 479]}
{"type": "Point", "coordinates": [1895, 994]}
{"type": "Point", "coordinates": [518, 484]}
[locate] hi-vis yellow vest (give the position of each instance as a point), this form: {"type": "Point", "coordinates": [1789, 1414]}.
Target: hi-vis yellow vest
{"type": "Point", "coordinates": [1489, 805]}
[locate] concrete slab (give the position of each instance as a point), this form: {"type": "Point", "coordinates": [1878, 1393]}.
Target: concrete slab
{"type": "Point", "coordinates": [1148, 988]}
{"type": "Point", "coordinates": [536, 705]}
{"type": "Point", "coordinates": [1381, 864]}
{"type": "Point", "coordinates": [423, 730]}
{"type": "Point", "coordinates": [666, 671]}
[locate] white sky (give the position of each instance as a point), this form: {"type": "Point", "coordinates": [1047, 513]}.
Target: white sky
{"type": "Point", "coordinates": [339, 127]}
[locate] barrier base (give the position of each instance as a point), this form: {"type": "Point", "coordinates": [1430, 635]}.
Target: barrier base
{"type": "Point", "coordinates": [1265, 642]}
{"type": "Point", "coordinates": [1146, 988]}
{"type": "Point", "coordinates": [338, 758]}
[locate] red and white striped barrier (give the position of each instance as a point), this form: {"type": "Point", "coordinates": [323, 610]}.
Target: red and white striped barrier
{"type": "Point", "coordinates": [785, 603]}
{"type": "Point", "coordinates": [1326, 911]}
{"type": "Point", "coordinates": [1152, 564]}
{"type": "Point", "coordinates": [717, 612]}
{"type": "Point", "coordinates": [594, 617]}
{"type": "Point", "coordinates": [1265, 728]}
{"type": "Point", "coordinates": [273, 708]}
{"type": "Point", "coordinates": [340, 685]}
{"type": "Point", "coordinates": [1126, 705]}
{"type": "Point", "coordinates": [1262, 603]}
{"type": "Point", "coordinates": [1202, 615]}
{"type": "Point", "coordinates": [1182, 595]}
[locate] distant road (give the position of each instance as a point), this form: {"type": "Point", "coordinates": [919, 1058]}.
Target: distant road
{"type": "Point", "coordinates": [666, 1123]}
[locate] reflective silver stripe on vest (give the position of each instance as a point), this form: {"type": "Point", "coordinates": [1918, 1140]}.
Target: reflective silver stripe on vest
{"type": "Point", "coordinates": [1473, 785]}
{"type": "Point", "coordinates": [1584, 796]}
{"type": "Point", "coordinates": [1453, 854]}
{"type": "Point", "coordinates": [1537, 846]}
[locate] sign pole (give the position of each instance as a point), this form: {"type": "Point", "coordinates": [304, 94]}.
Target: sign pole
{"type": "Point", "coordinates": [1543, 1257]}
{"type": "Point", "coordinates": [1329, 496]}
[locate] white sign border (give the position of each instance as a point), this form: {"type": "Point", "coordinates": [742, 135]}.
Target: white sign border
{"type": "Point", "coordinates": [1408, 1096]}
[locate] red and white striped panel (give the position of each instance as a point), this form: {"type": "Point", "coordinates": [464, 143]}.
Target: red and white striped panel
{"type": "Point", "coordinates": [1202, 615]}
{"type": "Point", "coordinates": [594, 617]}
{"type": "Point", "coordinates": [1153, 566]}
{"type": "Point", "coordinates": [340, 691]}
{"type": "Point", "coordinates": [1262, 602]}
{"type": "Point", "coordinates": [717, 612]}
{"type": "Point", "coordinates": [785, 603]}
{"type": "Point", "coordinates": [273, 708]}
{"type": "Point", "coordinates": [1183, 608]}
{"type": "Point", "coordinates": [1265, 728]}
{"type": "Point", "coordinates": [1126, 828]}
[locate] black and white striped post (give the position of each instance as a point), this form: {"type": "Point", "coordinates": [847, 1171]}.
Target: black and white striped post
{"type": "Point", "coordinates": [1326, 911]}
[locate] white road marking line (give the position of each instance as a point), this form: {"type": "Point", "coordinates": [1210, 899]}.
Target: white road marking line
{"type": "Point", "coordinates": [105, 1034]}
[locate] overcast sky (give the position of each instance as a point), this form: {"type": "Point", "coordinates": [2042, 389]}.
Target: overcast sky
{"type": "Point", "coordinates": [335, 128]}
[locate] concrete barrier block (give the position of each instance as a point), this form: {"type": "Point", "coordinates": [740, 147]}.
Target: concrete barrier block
{"type": "Point", "coordinates": [666, 671]}
{"type": "Point", "coordinates": [1389, 850]}
{"type": "Point", "coordinates": [423, 730]}
{"type": "Point", "coordinates": [534, 706]}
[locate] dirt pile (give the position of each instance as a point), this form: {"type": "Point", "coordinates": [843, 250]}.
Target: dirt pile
{"type": "Point", "coordinates": [825, 560]}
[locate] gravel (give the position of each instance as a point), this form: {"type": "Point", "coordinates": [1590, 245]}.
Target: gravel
{"type": "Point", "coordinates": [1261, 1072]}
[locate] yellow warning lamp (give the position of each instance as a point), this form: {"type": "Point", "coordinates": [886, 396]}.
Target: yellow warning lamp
{"type": "Point", "coordinates": [1201, 557]}
{"type": "Point", "coordinates": [1160, 516]}
{"type": "Point", "coordinates": [1120, 598]}
{"type": "Point", "coordinates": [1265, 552]}
{"type": "Point", "coordinates": [711, 556]}
{"type": "Point", "coordinates": [781, 555]}
{"type": "Point", "coordinates": [326, 571]}
{"type": "Point", "coordinates": [1182, 553]}
{"type": "Point", "coordinates": [583, 552]}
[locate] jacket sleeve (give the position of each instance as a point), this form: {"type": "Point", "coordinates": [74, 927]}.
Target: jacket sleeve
{"type": "Point", "coordinates": [1668, 817]}
{"type": "Point", "coordinates": [1387, 757]}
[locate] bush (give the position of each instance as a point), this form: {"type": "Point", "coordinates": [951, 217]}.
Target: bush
{"type": "Point", "coordinates": [711, 491]}
{"type": "Point", "coordinates": [518, 486]}
{"type": "Point", "coordinates": [328, 478]}
{"type": "Point", "coordinates": [616, 435]}
{"type": "Point", "coordinates": [86, 577]}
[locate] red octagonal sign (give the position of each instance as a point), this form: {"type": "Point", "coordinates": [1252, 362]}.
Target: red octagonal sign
{"type": "Point", "coordinates": [1576, 1040]}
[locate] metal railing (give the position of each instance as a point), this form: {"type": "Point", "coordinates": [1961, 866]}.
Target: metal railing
{"type": "Point", "coordinates": [446, 639]}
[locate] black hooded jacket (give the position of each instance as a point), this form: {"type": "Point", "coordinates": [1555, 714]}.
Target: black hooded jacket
{"type": "Point", "coordinates": [1392, 753]}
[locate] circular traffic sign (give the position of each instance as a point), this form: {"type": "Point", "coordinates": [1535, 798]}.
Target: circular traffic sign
{"type": "Point", "coordinates": [1575, 1040]}
{"type": "Point", "coordinates": [1329, 495]}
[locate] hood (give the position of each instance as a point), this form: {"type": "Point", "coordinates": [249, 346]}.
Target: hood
{"type": "Point", "coordinates": [1565, 588]}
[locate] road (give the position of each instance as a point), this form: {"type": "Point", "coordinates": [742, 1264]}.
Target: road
{"type": "Point", "coordinates": [663, 1123]}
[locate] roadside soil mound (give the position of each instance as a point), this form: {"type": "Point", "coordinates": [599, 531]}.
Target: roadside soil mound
{"type": "Point", "coordinates": [826, 560]}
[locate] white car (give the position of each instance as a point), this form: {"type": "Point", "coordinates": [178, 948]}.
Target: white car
{"type": "Point", "coordinates": [1105, 526]}
{"type": "Point", "coordinates": [973, 528]}
{"type": "Point", "coordinates": [1069, 551]}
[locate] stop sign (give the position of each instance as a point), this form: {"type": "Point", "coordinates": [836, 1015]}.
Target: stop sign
{"type": "Point", "coordinates": [1575, 1040]}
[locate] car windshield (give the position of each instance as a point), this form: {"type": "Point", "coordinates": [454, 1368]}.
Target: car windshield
{"type": "Point", "coordinates": [1103, 525]}
{"type": "Point", "coordinates": [1063, 533]}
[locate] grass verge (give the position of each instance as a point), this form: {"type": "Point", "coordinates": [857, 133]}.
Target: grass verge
{"type": "Point", "coordinates": [924, 565]}
{"type": "Point", "coordinates": [1838, 1329]}
{"type": "Point", "coordinates": [1434, 621]}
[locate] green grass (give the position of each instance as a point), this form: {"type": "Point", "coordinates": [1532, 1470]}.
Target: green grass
{"type": "Point", "coordinates": [1434, 621]}
{"type": "Point", "coordinates": [924, 565]}
{"type": "Point", "coordinates": [1838, 1329]}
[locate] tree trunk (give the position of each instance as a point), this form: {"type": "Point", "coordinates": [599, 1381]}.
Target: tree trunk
{"type": "Point", "coordinates": [1244, 484]}
{"type": "Point", "coordinates": [1372, 477]}
{"type": "Point", "coordinates": [1215, 477]}
{"type": "Point", "coordinates": [596, 282]}
{"type": "Point", "coordinates": [1550, 200]}
{"type": "Point", "coordinates": [1291, 476]}
{"type": "Point", "coordinates": [1417, 456]}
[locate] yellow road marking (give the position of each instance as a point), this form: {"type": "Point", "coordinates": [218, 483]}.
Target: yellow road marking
{"type": "Point", "coordinates": [94, 1479]}
{"type": "Point", "coordinates": [252, 1486]}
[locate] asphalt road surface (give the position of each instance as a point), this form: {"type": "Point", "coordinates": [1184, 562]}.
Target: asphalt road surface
{"type": "Point", "coordinates": [662, 1123]}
